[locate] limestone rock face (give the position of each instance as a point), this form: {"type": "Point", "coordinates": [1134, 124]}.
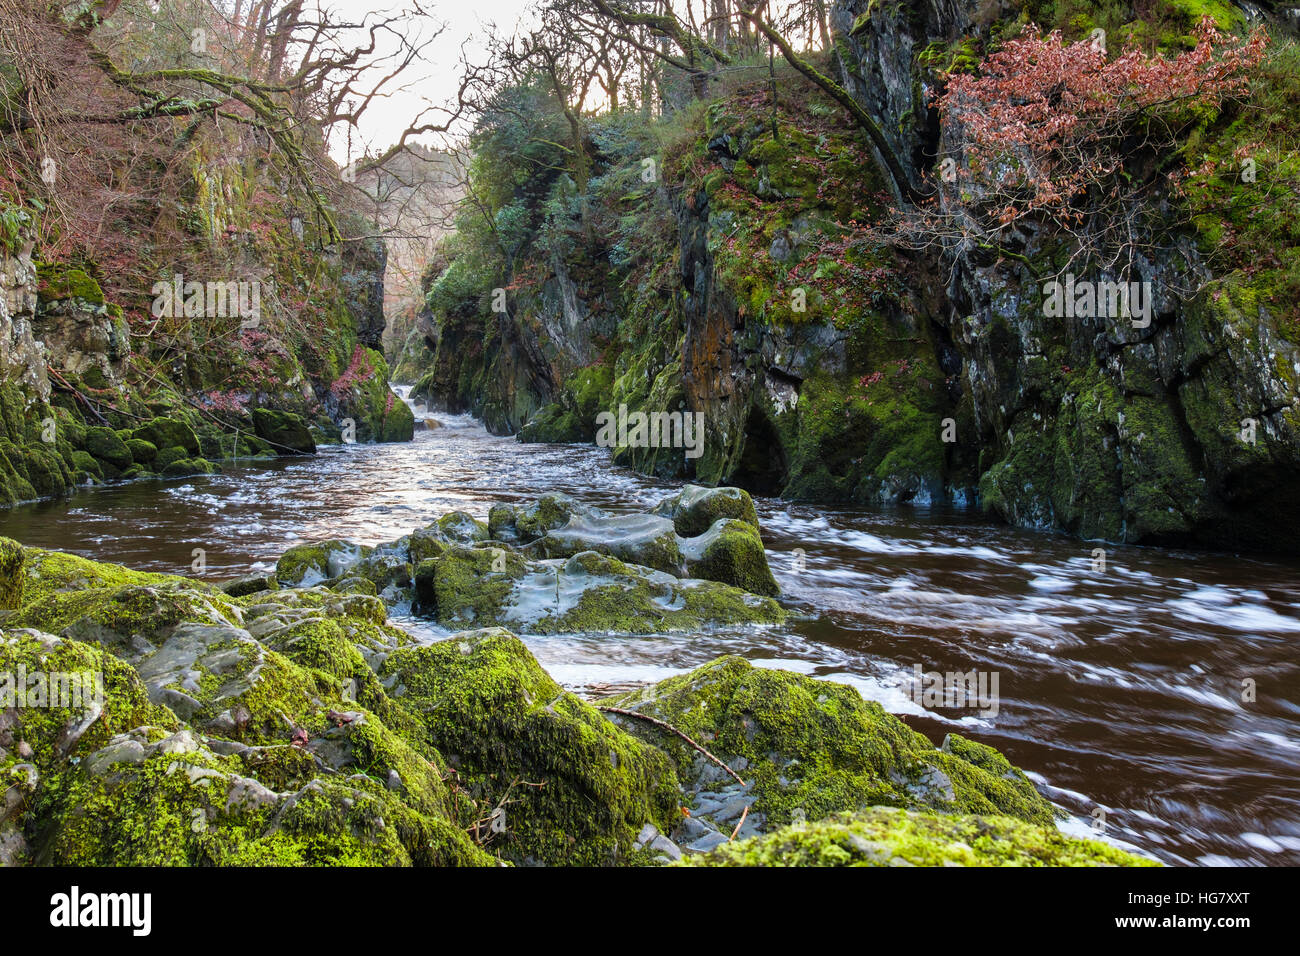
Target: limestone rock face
{"type": "Point", "coordinates": [20, 354]}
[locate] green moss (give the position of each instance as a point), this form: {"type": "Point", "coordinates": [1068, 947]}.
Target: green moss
{"type": "Point", "coordinates": [142, 452]}
{"type": "Point", "coordinates": [574, 789]}
{"type": "Point", "coordinates": [187, 467]}
{"type": "Point", "coordinates": [306, 564]}
{"type": "Point", "coordinates": [168, 433]}
{"type": "Point", "coordinates": [12, 577]}
{"type": "Point", "coordinates": [731, 552]}
{"type": "Point", "coordinates": [55, 572]}
{"type": "Point", "coordinates": [107, 447]}
{"type": "Point", "coordinates": [818, 747]}
{"type": "Point", "coordinates": [694, 509]}
{"type": "Point", "coordinates": [463, 586]}
{"type": "Point", "coordinates": [57, 282]}
{"type": "Point", "coordinates": [86, 677]}
{"type": "Point", "coordinates": [176, 804]}
{"type": "Point", "coordinates": [117, 616]}
{"type": "Point", "coordinates": [86, 466]}
{"type": "Point", "coordinates": [894, 837]}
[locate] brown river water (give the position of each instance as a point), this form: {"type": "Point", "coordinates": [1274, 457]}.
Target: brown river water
{"type": "Point", "coordinates": [1120, 692]}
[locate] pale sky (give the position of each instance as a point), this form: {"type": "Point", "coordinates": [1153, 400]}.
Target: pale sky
{"type": "Point", "coordinates": [435, 81]}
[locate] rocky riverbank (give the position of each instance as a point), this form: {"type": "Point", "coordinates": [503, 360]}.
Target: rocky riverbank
{"type": "Point", "coordinates": [276, 721]}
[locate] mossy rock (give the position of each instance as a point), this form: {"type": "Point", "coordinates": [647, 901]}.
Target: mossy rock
{"type": "Point", "coordinates": [149, 799]}
{"type": "Point", "coordinates": [694, 509]}
{"type": "Point", "coordinates": [55, 572]}
{"type": "Point", "coordinates": [142, 452]}
{"type": "Point", "coordinates": [460, 527]}
{"type": "Point", "coordinates": [169, 456]}
{"type": "Point", "coordinates": [285, 432]}
{"type": "Point", "coordinates": [396, 424]}
{"type": "Point", "coordinates": [502, 524]}
{"type": "Point", "coordinates": [84, 680]}
{"type": "Point", "coordinates": [308, 564]}
{"type": "Point", "coordinates": [130, 621]}
{"type": "Point", "coordinates": [46, 470]}
{"type": "Point", "coordinates": [554, 423]}
{"type": "Point", "coordinates": [188, 467]}
{"type": "Point", "coordinates": [166, 433]}
{"type": "Point", "coordinates": [86, 466]}
{"type": "Point", "coordinates": [817, 747]}
{"type": "Point", "coordinates": [883, 836]}
{"type": "Point", "coordinates": [552, 511]}
{"type": "Point", "coordinates": [575, 790]}
{"type": "Point", "coordinates": [11, 574]}
{"type": "Point", "coordinates": [731, 552]}
{"type": "Point", "coordinates": [57, 282]}
{"type": "Point", "coordinates": [645, 540]}
{"type": "Point", "coordinates": [107, 447]}
{"type": "Point", "coordinates": [590, 592]}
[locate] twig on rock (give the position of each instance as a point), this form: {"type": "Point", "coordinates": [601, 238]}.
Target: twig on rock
{"type": "Point", "coordinates": [669, 727]}
{"type": "Point", "coordinates": [740, 823]}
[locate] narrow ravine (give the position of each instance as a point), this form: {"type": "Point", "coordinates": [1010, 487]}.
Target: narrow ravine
{"type": "Point", "coordinates": [1120, 691]}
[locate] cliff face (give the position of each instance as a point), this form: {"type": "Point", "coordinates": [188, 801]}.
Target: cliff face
{"type": "Point", "coordinates": [830, 365]}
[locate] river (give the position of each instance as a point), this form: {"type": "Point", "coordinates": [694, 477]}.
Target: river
{"type": "Point", "coordinates": [1123, 692]}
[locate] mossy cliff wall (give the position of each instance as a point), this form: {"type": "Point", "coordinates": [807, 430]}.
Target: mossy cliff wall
{"type": "Point", "coordinates": [747, 279]}
{"type": "Point", "coordinates": [81, 379]}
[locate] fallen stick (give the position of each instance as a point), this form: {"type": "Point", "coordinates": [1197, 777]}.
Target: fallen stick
{"type": "Point", "coordinates": [669, 727]}
{"type": "Point", "coordinates": [740, 823]}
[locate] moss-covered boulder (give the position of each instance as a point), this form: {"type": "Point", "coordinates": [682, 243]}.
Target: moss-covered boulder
{"type": "Point", "coordinates": [883, 836]}
{"type": "Point", "coordinates": [308, 564]}
{"type": "Point", "coordinates": [56, 572]}
{"type": "Point", "coordinates": [170, 433]}
{"type": "Point", "coordinates": [554, 781]}
{"type": "Point", "coordinates": [131, 621]}
{"type": "Point", "coordinates": [550, 512]}
{"type": "Point", "coordinates": [108, 448]}
{"type": "Point", "coordinates": [460, 527]}
{"type": "Point", "coordinates": [169, 456]}
{"type": "Point", "coordinates": [695, 509]}
{"type": "Point", "coordinates": [142, 452]}
{"type": "Point", "coordinates": [188, 468]}
{"type": "Point", "coordinates": [74, 698]}
{"type": "Point", "coordinates": [589, 592]}
{"type": "Point", "coordinates": [86, 467]}
{"type": "Point", "coordinates": [731, 551]}
{"type": "Point", "coordinates": [287, 433]}
{"type": "Point", "coordinates": [810, 748]}
{"type": "Point", "coordinates": [645, 540]}
{"type": "Point", "coordinates": [149, 798]}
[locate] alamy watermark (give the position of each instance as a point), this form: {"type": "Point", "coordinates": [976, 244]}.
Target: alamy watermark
{"type": "Point", "coordinates": [651, 430]}
{"type": "Point", "coordinates": [75, 690]}
{"type": "Point", "coordinates": [956, 690]}
{"type": "Point", "coordinates": [240, 299]}
{"type": "Point", "coordinates": [1086, 299]}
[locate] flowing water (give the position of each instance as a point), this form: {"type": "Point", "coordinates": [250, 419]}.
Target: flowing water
{"type": "Point", "coordinates": [1123, 692]}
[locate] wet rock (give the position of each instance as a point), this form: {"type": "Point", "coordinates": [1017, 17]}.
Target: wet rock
{"type": "Point", "coordinates": [308, 564]}
{"type": "Point", "coordinates": [694, 509]}
{"type": "Point", "coordinates": [105, 445]}
{"type": "Point", "coordinates": [588, 592]}
{"type": "Point", "coordinates": [645, 540]}
{"type": "Point", "coordinates": [11, 574]}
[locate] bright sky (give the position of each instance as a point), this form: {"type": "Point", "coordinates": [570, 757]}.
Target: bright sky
{"type": "Point", "coordinates": [435, 81]}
